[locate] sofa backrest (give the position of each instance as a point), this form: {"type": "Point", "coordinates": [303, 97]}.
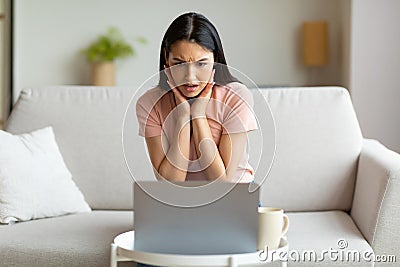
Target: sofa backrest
{"type": "Point", "coordinates": [318, 142]}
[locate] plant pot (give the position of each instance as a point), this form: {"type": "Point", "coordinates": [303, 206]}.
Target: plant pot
{"type": "Point", "coordinates": [103, 74]}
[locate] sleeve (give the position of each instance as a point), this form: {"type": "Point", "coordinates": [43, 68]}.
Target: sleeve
{"type": "Point", "coordinates": [148, 119]}
{"type": "Point", "coordinates": [239, 115]}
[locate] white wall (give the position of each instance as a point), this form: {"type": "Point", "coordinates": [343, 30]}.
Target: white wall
{"type": "Point", "coordinates": [375, 68]}
{"type": "Point", "coordinates": [261, 37]}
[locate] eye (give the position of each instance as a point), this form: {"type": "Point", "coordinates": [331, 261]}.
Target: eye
{"type": "Point", "coordinates": [201, 64]}
{"type": "Point", "coordinates": [179, 65]}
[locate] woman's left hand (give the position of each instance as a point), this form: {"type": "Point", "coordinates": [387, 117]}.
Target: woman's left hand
{"type": "Point", "coordinates": [198, 108]}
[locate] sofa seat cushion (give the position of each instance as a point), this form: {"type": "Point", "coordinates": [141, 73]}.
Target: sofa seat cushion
{"type": "Point", "coordinates": [74, 240]}
{"type": "Point", "coordinates": [84, 239]}
{"type": "Point", "coordinates": [328, 230]}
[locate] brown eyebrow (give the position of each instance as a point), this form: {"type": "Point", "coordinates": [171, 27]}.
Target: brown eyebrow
{"type": "Point", "coordinates": [180, 60]}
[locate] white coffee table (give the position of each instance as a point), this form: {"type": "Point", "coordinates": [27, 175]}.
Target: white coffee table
{"type": "Point", "coordinates": [122, 249]}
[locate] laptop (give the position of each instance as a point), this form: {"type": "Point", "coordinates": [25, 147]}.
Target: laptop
{"type": "Point", "coordinates": [224, 226]}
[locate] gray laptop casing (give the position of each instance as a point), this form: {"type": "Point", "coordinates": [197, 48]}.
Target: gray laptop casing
{"type": "Point", "coordinates": [228, 225]}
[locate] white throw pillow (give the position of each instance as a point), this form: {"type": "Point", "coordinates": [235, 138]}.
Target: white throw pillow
{"type": "Point", "coordinates": [34, 180]}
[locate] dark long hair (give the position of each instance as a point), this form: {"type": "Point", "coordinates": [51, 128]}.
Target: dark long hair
{"type": "Point", "coordinates": [196, 28]}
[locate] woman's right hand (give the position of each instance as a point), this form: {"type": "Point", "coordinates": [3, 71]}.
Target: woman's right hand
{"type": "Point", "coordinates": [182, 105]}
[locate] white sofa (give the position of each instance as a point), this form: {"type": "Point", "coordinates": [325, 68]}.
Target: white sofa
{"type": "Point", "coordinates": [333, 184]}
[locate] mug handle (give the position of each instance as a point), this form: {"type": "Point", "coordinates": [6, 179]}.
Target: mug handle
{"type": "Point", "coordinates": [285, 224]}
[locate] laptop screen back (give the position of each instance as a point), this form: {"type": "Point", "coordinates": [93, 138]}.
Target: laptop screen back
{"type": "Point", "coordinates": [228, 225]}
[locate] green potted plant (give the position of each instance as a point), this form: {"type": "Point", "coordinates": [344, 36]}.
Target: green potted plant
{"type": "Point", "coordinates": [103, 52]}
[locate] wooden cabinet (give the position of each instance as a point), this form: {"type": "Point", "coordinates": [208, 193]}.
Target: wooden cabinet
{"type": "Point", "coordinates": [2, 61]}
{"type": "Point", "coordinates": [5, 66]}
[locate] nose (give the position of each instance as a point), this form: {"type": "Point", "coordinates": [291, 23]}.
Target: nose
{"type": "Point", "coordinates": [190, 72]}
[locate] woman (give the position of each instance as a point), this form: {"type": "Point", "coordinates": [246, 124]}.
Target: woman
{"type": "Point", "coordinates": [196, 120]}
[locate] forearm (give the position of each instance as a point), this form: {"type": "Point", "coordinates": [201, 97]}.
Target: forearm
{"type": "Point", "coordinates": [175, 164]}
{"type": "Point", "coordinates": [209, 157]}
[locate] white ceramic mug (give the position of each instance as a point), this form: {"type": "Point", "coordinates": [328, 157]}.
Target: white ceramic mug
{"type": "Point", "coordinates": [272, 225]}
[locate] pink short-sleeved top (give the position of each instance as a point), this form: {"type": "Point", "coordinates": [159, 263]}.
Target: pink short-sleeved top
{"type": "Point", "coordinates": [228, 111]}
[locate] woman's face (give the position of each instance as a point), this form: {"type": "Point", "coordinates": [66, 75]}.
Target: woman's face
{"type": "Point", "coordinates": [191, 67]}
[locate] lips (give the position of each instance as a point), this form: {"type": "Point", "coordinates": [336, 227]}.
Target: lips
{"type": "Point", "coordinates": [191, 87]}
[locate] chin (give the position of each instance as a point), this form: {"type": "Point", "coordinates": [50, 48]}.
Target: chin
{"type": "Point", "coordinates": [191, 95]}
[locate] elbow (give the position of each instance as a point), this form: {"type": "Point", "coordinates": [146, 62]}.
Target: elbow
{"type": "Point", "coordinates": [172, 176]}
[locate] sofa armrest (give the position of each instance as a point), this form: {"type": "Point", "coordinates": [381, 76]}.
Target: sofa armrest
{"type": "Point", "coordinates": [376, 203]}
